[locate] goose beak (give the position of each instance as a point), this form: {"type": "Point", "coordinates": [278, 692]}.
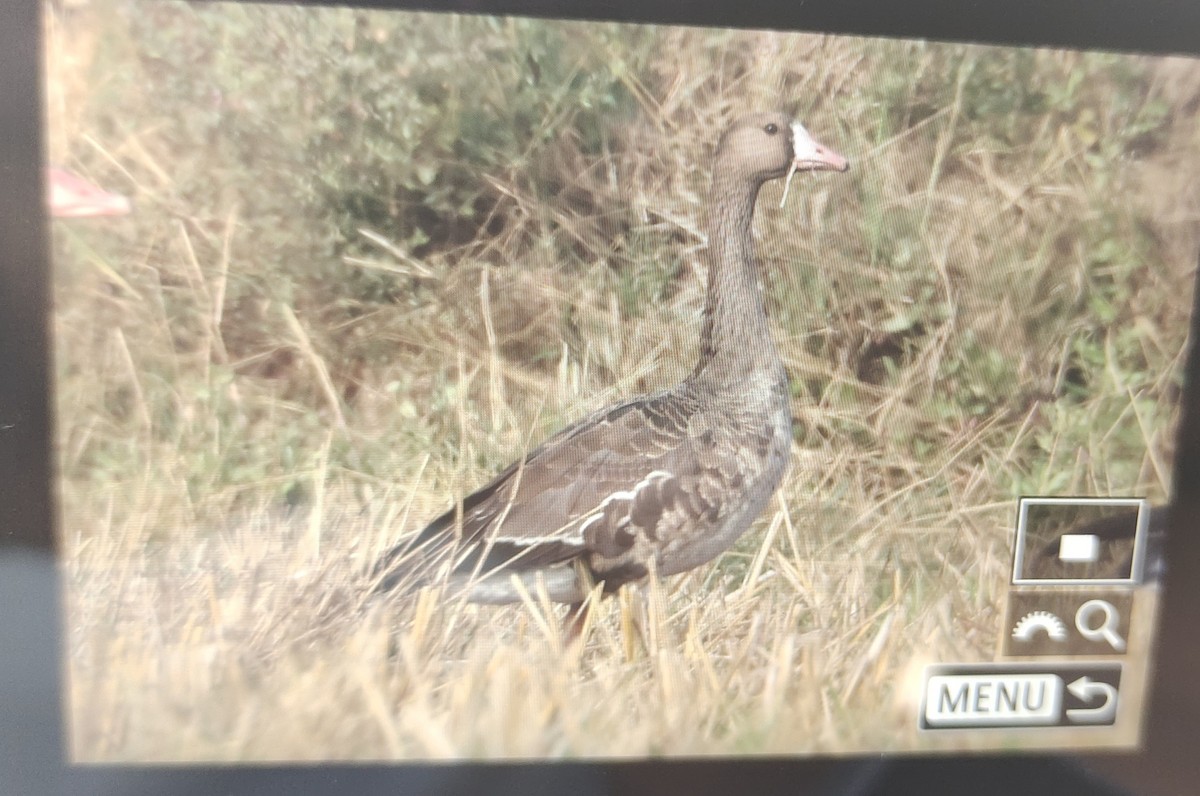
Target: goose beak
{"type": "Point", "coordinates": [811, 155]}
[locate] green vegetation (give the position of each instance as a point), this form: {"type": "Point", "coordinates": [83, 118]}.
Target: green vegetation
{"type": "Point", "coordinates": [374, 257]}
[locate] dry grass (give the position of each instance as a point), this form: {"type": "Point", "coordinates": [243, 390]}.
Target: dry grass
{"type": "Point", "coordinates": [254, 646]}
{"type": "Point", "coordinates": [236, 450]}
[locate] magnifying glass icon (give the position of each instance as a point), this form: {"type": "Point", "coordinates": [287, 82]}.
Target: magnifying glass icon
{"type": "Point", "coordinates": [1106, 630]}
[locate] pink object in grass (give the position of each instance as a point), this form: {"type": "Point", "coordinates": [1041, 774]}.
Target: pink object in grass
{"type": "Point", "coordinates": [74, 197]}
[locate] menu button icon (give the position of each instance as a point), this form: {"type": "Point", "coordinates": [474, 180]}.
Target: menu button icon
{"type": "Point", "coordinates": [1007, 695]}
{"type": "Point", "coordinates": [993, 700]}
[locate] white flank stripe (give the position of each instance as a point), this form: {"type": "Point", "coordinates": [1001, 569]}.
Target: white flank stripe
{"type": "Point", "coordinates": [529, 541]}
{"type": "Point", "coordinates": [655, 475]}
{"type": "Point", "coordinates": [576, 538]}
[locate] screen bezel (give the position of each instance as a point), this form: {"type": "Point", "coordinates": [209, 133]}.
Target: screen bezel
{"type": "Point", "coordinates": [29, 586]}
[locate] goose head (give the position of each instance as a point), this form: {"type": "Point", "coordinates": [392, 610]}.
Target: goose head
{"type": "Point", "coordinates": [766, 146]}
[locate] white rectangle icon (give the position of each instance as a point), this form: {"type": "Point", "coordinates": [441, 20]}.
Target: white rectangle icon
{"type": "Point", "coordinates": [993, 700]}
{"type": "Point", "coordinates": [1079, 548]}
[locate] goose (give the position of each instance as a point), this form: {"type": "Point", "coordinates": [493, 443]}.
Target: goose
{"type": "Point", "coordinates": [664, 481]}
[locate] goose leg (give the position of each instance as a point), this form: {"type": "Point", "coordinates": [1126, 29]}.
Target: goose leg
{"type": "Point", "coordinates": [575, 621]}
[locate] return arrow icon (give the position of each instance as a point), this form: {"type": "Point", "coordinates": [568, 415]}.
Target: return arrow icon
{"type": "Point", "coordinates": [1088, 690]}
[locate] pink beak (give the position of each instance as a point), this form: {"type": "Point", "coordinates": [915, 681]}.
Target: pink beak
{"type": "Point", "coordinates": [811, 155]}
{"type": "Point", "coordinates": [827, 160]}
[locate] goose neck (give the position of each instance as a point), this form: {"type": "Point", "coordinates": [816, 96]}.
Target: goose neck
{"type": "Point", "coordinates": [736, 347]}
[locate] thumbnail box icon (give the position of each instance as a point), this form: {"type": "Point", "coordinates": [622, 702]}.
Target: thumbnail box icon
{"type": "Point", "coordinates": [1077, 541]}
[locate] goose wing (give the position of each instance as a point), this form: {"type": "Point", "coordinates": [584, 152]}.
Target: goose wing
{"type": "Point", "coordinates": [628, 472]}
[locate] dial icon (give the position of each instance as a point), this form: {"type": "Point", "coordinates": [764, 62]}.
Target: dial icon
{"type": "Point", "coordinates": [1029, 625]}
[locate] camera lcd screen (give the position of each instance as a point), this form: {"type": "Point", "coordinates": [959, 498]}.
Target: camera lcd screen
{"type": "Point", "coordinates": [459, 387]}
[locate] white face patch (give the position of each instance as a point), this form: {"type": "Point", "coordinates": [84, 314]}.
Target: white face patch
{"type": "Point", "coordinates": [804, 148]}
{"type": "Point", "coordinates": [803, 145]}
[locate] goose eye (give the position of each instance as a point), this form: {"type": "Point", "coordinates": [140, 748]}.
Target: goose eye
{"type": "Point", "coordinates": [772, 128]}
